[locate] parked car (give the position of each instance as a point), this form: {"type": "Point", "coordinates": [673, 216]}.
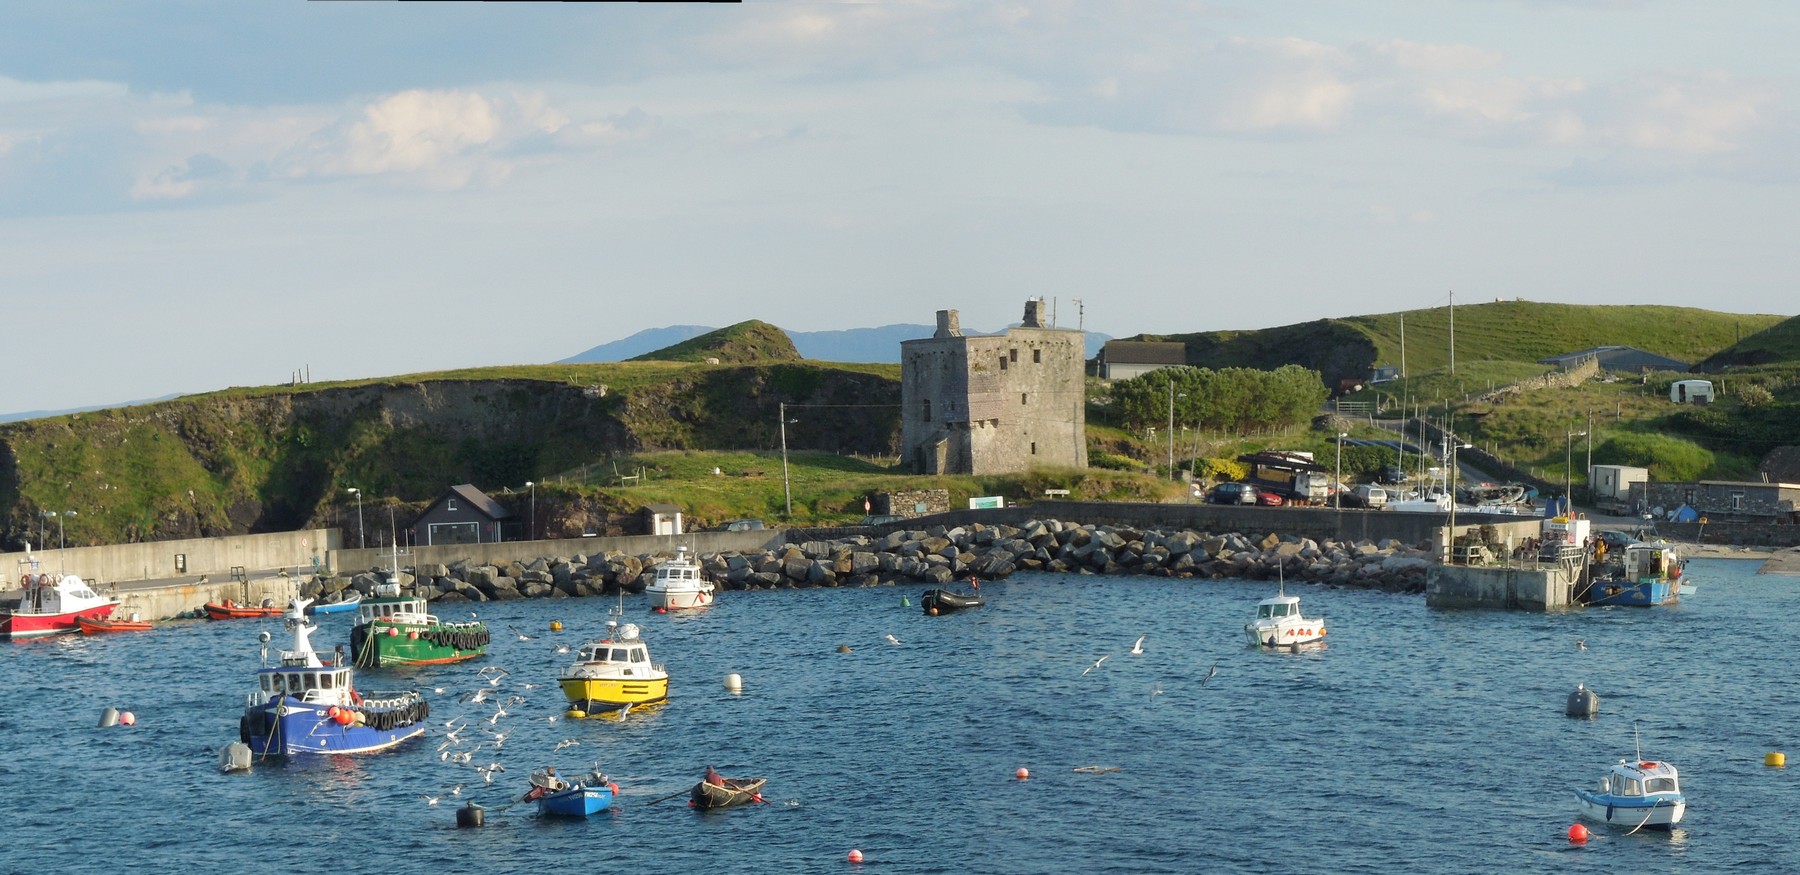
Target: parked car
{"type": "Point", "coordinates": [1269, 498]}
{"type": "Point", "coordinates": [880, 519]}
{"type": "Point", "coordinates": [1232, 493]}
{"type": "Point", "coordinates": [1616, 540]}
{"type": "Point", "coordinates": [1393, 474]}
{"type": "Point", "coordinates": [742, 526]}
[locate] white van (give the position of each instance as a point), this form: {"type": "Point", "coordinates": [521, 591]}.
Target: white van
{"type": "Point", "coordinates": [1370, 495]}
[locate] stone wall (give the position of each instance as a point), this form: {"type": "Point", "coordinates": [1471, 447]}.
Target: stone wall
{"type": "Point", "coordinates": [908, 502]}
{"type": "Point", "coordinates": [1721, 502]}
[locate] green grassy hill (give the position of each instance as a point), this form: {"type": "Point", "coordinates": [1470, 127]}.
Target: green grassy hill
{"type": "Point", "coordinates": [281, 458]}
{"type": "Point", "coordinates": [744, 343]}
{"type": "Point", "coordinates": [1776, 344]}
{"type": "Point", "coordinates": [1518, 331]}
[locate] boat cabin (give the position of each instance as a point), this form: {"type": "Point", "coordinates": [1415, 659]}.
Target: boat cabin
{"type": "Point", "coordinates": [44, 594]}
{"type": "Point", "coordinates": [1278, 608]}
{"type": "Point", "coordinates": [1640, 779]}
{"type": "Point", "coordinates": [322, 686]}
{"type": "Point", "coordinates": [390, 605]}
{"type": "Point", "coordinates": [678, 570]}
{"type": "Point", "coordinates": [1655, 561]}
{"type": "Point", "coordinates": [621, 652]}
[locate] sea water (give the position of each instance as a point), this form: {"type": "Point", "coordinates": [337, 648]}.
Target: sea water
{"type": "Point", "coordinates": [1415, 741]}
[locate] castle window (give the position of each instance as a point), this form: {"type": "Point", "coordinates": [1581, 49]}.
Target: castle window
{"type": "Point", "coordinates": [1003, 363]}
{"type": "Point", "coordinates": [1034, 448]}
{"type": "Point", "coordinates": [1024, 398]}
{"type": "Point", "coordinates": [928, 410]}
{"type": "Point", "coordinates": [1037, 356]}
{"type": "Point", "coordinates": [1012, 354]}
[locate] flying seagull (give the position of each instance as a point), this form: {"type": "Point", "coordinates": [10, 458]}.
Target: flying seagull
{"type": "Point", "coordinates": [1209, 674]}
{"type": "Point", "coordinates": [1139, 646]}
{"type": "Point", "coordinates": [431, 800]}
{"type": "Point", "coordinates": [521, 634]}
{"type": "Point", "coordinates": [567, 742]}
{"type": "Point", "coordinates": [1096, 664]}
{"type": "Point", "coordinates": [1581, 645]}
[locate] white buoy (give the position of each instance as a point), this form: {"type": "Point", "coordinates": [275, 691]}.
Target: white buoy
{"type": "Point", "coordinates": [734, 682]}
{"type": "Point", "coordinates": [109, 717]}
{"type": "Point", "coordinates": [234, 757]}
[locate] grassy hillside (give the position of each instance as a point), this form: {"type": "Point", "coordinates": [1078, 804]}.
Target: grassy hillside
{"type": "Point", "coordinates": [278, 458]}
{"type": "Point", "coordinates": [1776, 344]}
{"type": "Point", "coordinates": [1519, 331]}
{"type": "Point", "coordinates": [744, 343]}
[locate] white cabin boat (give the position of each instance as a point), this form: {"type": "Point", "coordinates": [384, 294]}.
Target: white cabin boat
{"type": "Point", "coordinates": [680, 584]}
{"type": "Point", "coordinates": [1643, 794]}
{"type": "Point", "coordinates": [1278, 623]}
{"type": "Point", "coordinates": [52, 605]}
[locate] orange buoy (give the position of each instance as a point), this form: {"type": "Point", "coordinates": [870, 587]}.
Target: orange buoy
{"type": "Point", "coordinates": [855, 856]}
{"type": "Point", "coordinates": [1022, 774]}
{"type": "Point", "coordinates": [1578, 834]}
{"type": "Point", "coordinates": [126, 718]}
{"type": "Point", "coordinates": [393, 631]}
{"type": "Point", "coordinates": [931, 610]}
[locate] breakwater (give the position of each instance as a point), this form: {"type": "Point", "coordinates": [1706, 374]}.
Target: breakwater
{"type": "Point", "coordinates": [938, 555]}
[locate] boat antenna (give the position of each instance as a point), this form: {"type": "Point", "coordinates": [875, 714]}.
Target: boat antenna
{"type": "Point", "coordinates": [1637, 741]}
{"type": "Point", "coordinates": [1280, 579]}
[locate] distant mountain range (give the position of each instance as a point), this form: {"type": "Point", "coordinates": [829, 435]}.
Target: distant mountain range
{"type": "Point", "coordinates": [881, 345]}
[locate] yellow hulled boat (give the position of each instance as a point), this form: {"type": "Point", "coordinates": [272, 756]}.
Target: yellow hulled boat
{"type": "Point", "coordinates": [613, 672]}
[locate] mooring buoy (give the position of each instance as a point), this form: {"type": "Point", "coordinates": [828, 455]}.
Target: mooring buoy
{"type": "Point", "coordinates": [470, 816]}
{"type": "Point", "coordinates": [1582, 702]}
{"type": "Point", "coordinates": [109, 717]}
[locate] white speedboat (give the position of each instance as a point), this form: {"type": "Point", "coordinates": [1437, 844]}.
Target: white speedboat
{"type": "Point", "coordinates": [680, 584]}
{"type": "Point", "coordinates": [1644, 794]}
{"type": "Point", "coordinates": [1278, 623]}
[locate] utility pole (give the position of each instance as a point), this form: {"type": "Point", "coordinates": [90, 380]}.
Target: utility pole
{"type": "Point", "coordinates": [787, 493]}
{"type": "Point", "coordinates": [1171, 428]}
{"type": "Point", "coordinates": [1453, 331]}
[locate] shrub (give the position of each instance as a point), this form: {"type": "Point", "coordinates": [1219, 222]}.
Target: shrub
{"type": "Point", "coordinates": [1668, 458]}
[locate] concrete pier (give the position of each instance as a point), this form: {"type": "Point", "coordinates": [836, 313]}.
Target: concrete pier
{"type": "Point", "coordinates": [1531, 587]}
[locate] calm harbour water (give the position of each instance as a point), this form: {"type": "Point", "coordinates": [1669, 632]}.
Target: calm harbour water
{"type": "Point", "coordinates": [1418, 741]}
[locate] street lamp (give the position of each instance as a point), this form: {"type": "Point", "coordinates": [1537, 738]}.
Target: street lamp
{"type": "Point", "coordinates": [1337, 474]}
{"type": "Point", "coordinates": [1569, 472]}
{"type": "Point", "coordinates": [787, 492]}
{"type": "Point", "coordinates": [61, 542]}
{"type": "Point", "coordinates": [361, 539]}
{"type": "Point", "coordinates": [533, 487]}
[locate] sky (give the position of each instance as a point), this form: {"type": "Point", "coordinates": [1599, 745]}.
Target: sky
{"type": "Point", "coordinates": [196, 195]}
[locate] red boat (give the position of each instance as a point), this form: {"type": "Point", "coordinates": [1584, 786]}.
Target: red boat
{"type": "Point", "coordinates": [233, 611]}
{"type": "Point", "coordinates": [96, 626]}
{"type": "Point", "coordinates": [53, 605]}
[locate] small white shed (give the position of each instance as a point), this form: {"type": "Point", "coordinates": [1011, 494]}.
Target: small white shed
{"type": "Point", "coordinates": [663, 519]}
{"type": "Point", "coordinates": [1691, 392]}
{"type": "Point", "coordinates": [1613, 482]}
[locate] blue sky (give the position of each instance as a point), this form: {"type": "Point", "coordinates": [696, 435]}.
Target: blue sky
{"type": "Point", "coordinates": [196, 195]}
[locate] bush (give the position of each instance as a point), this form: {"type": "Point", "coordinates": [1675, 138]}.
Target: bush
{"type": "Point", "coordinates": [1113, 463]}
{"type": "Point", "coordinates": [1668, 458]}
{"type": "Point", "coordinates": [1220, 470]}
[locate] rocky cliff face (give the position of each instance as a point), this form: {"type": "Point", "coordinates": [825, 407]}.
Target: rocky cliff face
{"type": "Point", "coordinates": [273, 460]}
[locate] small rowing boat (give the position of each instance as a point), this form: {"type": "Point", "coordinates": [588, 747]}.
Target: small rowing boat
{"type": "Point", "coordinates": [100, 626]}
{"type": "Point", "coordinates": [718, 792]}
{"type": "Point", "coordinates": [230, 610]}
{"type": "Point", "coordinates": [341, 607]}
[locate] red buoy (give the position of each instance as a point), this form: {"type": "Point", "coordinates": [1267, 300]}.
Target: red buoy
{"type": "Point", "coordinates": [1022, 774]}
{"type": "Point", "coordinates": [126, 718]}
{"type": "Point", "coordinates": [1578, 834]}
{"type": "Point", "coordinates": [855, 856]}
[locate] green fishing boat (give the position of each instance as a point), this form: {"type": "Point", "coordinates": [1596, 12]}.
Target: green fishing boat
{"type": "Point", "coordinates": [393, 629]}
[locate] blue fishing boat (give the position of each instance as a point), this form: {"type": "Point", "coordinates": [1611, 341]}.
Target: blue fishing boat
{"type": "Point", "coordinates": [340, 607]}
{"type": "Point", "coordinates": [556, 797]}
{"type": "Point", "coordinates": [1649, 574]}
{"type": "Point", "coordinates": [304, 705]}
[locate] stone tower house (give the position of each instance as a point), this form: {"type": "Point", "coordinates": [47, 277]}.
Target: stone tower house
{"type": "Point", "coordinates": [993, 403]}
